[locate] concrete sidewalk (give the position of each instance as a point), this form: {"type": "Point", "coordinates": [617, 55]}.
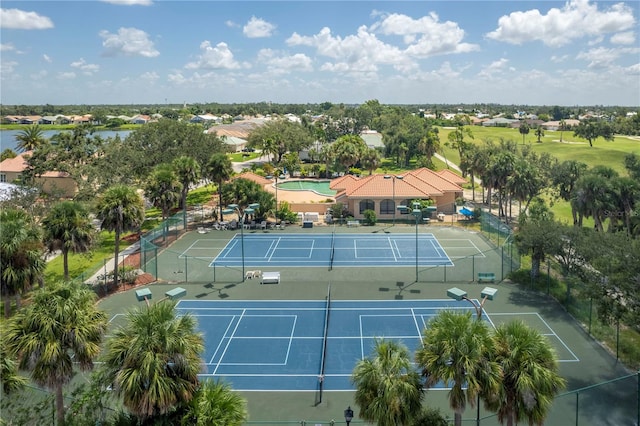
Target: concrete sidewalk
{"type": "Point", "coordinates": [109, 264]}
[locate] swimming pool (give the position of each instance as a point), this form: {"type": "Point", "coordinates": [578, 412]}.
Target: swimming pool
{"type": "Point", "coordinates": [320, 187]}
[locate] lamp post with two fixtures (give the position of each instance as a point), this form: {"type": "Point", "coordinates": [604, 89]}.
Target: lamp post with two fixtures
{"type": "Point", "coordinates": [488, 293]}
{"type": "Point", "coordinates": [241, 216]}
{"type": "Point", "coordinates": [393, 193]}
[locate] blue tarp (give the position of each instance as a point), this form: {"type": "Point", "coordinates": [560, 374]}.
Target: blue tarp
{"type": "Point", "coordinates": [465, 211]}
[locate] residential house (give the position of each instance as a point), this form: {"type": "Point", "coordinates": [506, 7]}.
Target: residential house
{"type": "Point", "coordinates": [555, 125]}
{"type": "Point", "coordinates": [372, 138]}
{"type": "Point", "coordinates": [384, 193]}
{"type": "Point", "coordinates": [140, 119]}
{"type": "Point", "coordinates": [59, 183]}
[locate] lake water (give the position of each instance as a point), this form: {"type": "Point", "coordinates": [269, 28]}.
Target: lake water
{"type": "Point", "coordinates": [8, 137]}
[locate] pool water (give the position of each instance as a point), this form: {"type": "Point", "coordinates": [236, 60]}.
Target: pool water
{"type": "Point", "coordinates": [318, 186]}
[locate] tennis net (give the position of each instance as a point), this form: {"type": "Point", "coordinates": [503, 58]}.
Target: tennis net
{"type": "Point", "coordinates": [333, 248]}
{"type": "Point", "coordinates": [324, 343]}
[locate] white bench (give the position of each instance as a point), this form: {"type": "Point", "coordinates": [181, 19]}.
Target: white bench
{"type": "Point", "coordinates": [270, 278]}
{"type": "Point", "coordinates": [354, 223]}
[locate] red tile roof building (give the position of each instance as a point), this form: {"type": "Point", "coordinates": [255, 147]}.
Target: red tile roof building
{"type": "Point", "coordinates": [383, 193]}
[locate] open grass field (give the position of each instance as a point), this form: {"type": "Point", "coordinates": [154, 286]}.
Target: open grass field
{"type": "Point", "coordinates": [573, 148]}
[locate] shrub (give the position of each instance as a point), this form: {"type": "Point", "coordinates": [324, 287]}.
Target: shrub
{"type": "Point", "coordinates": [370, 217]}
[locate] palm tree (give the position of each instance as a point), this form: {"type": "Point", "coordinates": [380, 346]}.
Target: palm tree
{"type": "Point", "coordinates": [524, 130]}
{"type": "Point", "coordinates": [371, 160]}
{"type": "Point", "coordinates": [539, 133]}
{"type": "Point", "coordinates": [60, 330]}
{"type": "Point", "coordinates": [530, 374]}
{"type": "Point", "coordinates": [215, 403]}
{"type": "Point", "coordinates": [456, 350]}
{"type": "Point", "coordinates": [121, 209]}
{"type": "Point", "coordinates": [388, 389]}
{"type": "Point", "coordinates": [68, 228]}
{"type": "Point", "coordinates": [163, 188]}
{"type": "Point", "coordinates": [21, 251]}
{"type": "Point", "coordinates": [188, 171]}
{"type": "Point", "coordinates": [10, 379]}
{"type": "Point", "coordinates": [30, 138]}
{"type": "Point", "coordinates": [152, 362]}
{"type": "Point", "coordinates": [563, 127]}
{"type": "Point", "coordinates": [219, 170]}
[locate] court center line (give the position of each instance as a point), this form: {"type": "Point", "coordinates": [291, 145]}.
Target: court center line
{"type": "Point", "coordinates": [229, 342]}
{"type": "Point", "coordinates": [269, 249]}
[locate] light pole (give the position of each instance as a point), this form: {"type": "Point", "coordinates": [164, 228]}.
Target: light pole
{"type": "Point", "coordinates": [417, 213]}
{"type": "Point", "coordinates": [393, 193]}
{"type": "Point", "coordinates": [241, 216]}
{"type": "Point", "coordinates": [488, 293]}
{"type": "Point", "coordinates": [348, 415]}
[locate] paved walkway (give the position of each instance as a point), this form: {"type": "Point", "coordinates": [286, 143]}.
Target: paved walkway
{"type": "Point", "coordinates": [109, 264]}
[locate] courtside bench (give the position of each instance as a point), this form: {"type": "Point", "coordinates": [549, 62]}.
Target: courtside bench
{"type": "Point", "coordinates": [353, 223]}
{"type": "Point", "coordinates": [486, 277]}
{"type": "Point", "coordinates": [270, 278]}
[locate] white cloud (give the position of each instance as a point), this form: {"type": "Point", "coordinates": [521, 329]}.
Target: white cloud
{"type": "Point", "coordinates": [258, 28]}
{"type": "Point", "coordinates": [7, 67]}
{"type": "Point", "coordinates": [128, 42]}
{"type": "Point", "coordinates": [66, 75]}
{"type": "Point", "coordinates": [633, 69]}
{"type": "Point", "coordinates": [215, 57]}
{"type": "Point", "coordinates": [47, 58]}
{"type": "Point", "coordinates": [280, 64]}
{"type": "Point", "coordinates": [559, 59]}
{"type": "Point", "coordinates": [150, 76]}
{"type": "Point", "coordinates": [354, 53]}
{"type": "Point", "coordinates": [603, 57]}
{"type": "Point", "coordinates": [40, 75]}
{"type": "Point", "coordinates": [426, 36]}
{"type": "Point", "coordinates": [20, 20]}
{"type": "Point", "coordinates": [628, 37]}
{"type": "Point", "coordinates": [87, 69]}
{"type": "Point", "coordinates": [494, 68]}
{"type": "Point", "coordinates": [229, 23]}
{"type": "Point", "coordinates": [6, 47]}
{"type": "Point", "coordinates": [558, 27]}
{"type": "Point", "coordinates": [130, 2]}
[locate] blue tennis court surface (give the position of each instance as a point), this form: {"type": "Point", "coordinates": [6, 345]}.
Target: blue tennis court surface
{"type": "Point", "coordinates": [279, 345]}
{"type": "Point", "coordinates": [345, 249]}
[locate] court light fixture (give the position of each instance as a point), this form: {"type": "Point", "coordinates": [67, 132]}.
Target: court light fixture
{"type": "Point", "coordinates": [488, 293]}
{"type": "Point", "coordinates": [393, 196]}
{"type": "Point", "coordinates": [348, 415]}
{"type": "Point", "coordinates": [250, 209]}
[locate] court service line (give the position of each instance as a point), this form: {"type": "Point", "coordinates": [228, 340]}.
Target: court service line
{"type": "Point", "coordinates": [576, 359]}
{"type": "Point", "coordinates": [437, 249]}
{"type": "Point", "coordinates": [221, 340]}
{"type": "Point", "coordinates": [229, 342]}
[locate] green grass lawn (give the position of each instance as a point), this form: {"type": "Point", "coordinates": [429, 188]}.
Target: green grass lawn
{"type": "Point", "coordinates": [80, 264]}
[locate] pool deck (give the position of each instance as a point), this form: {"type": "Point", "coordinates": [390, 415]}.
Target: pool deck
{"type": "Point", "coordinates": [298, 196]}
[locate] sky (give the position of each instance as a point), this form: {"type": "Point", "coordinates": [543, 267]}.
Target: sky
{"type": "Point", "coordinates": [578, 52]}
